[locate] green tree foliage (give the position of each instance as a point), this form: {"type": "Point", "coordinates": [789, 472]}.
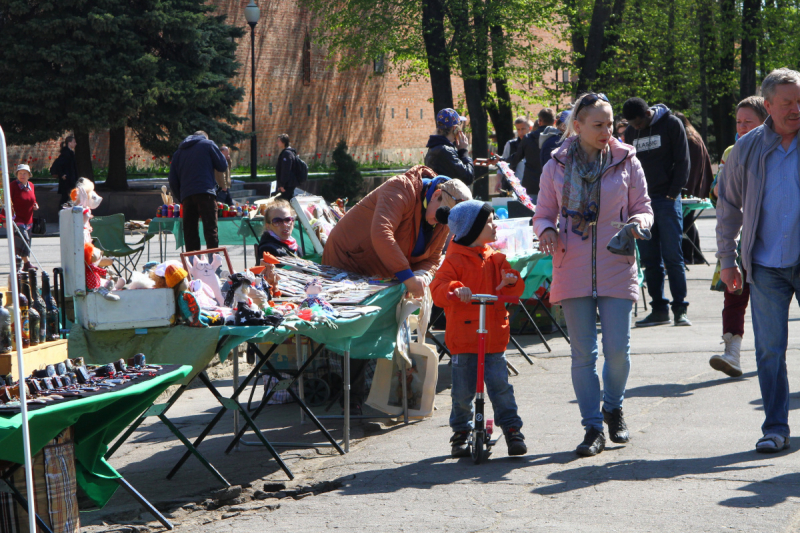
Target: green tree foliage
{"type": "Point", "coordinates": [346, 180]}
{"type": "Point", "coordinates": [161, 67]}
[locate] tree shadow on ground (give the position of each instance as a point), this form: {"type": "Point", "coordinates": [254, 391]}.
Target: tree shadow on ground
{"type": "Point", "coordinates": [678, 390]}
{"type": "Point", "coordinates": [645, 470]}
{"type": "Point", "coordinates": [767, 493]}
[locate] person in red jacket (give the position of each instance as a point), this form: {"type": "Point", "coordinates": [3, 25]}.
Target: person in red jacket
{"type": "Point", "coordinates": [472, 267]}
{"type": "Point", "coordinates": [23, 202]}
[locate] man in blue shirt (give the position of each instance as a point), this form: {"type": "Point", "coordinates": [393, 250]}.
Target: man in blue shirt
{"type": "Point", "coordinates": [759, 195]}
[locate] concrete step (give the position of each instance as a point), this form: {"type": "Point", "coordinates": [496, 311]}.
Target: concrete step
{"type": "Point", "coordinates": [242, 193]}
{"type": "Point", "coordinates": [237, 185]}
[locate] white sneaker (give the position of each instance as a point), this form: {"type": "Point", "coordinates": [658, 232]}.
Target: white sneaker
{"type": "Point", "coordinates": [729, 361]}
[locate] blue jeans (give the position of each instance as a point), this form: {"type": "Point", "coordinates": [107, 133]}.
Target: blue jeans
{"type": "Point", "coordinates": [615, 320]}
{"type": "Point", "coordinates": [664, 249]}
{"type": "Point", "coordinates": [501, 392]}
{"type": "Point", "coordinates": [771, 292]}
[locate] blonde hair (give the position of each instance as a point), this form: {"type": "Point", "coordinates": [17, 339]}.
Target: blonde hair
{"type": "Point", "coordinates": [277, 203]}
{"type": "Point", "coordinates": [570, 130]}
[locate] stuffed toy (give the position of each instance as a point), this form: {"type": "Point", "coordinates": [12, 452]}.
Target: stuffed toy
{"type": "Point", "coordinates": [207, 273]}
{"type": "Point", "coordinates": [157, 273]}
{"type": "Point", "coordinates": [83, 194]}
{"type": "Point", "coordinates": [315, 302]}
{"type": "Point", "coordinates": [188, 308]}
{"type": "Point", "coordinates": [246, 312]}
{"type": "Point", "coordinates": [140, 280]}
{"type": "Point", "coordinates": [203, 294]}
{"type": "Point", "coordinates": [270, 272]}
{"type": "Point", "coordinates": [96, 276]}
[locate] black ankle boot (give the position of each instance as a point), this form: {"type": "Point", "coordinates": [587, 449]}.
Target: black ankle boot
{"type": "Point", "coordinates": [617, 429]}
{"type": "Point", "coordinates": [458, 444]}
{"type": "Point", "coordinates": [593, 443]}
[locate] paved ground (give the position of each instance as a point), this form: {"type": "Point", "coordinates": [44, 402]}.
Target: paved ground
{"type": "Point", "coordinates": [689, 467]}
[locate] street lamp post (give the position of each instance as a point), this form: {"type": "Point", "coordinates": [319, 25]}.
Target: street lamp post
{"type": "Point", "coordinates": [251, 14]}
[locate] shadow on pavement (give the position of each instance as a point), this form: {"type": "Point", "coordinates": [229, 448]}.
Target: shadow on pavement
{"type": "Point", "coordinates": [645, 470]}
{"type": "Point", "coordinates": [677, 390]}
{"type": "Point", "coordinates": [767, 493]}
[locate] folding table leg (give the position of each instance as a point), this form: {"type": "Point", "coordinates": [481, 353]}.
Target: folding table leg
{"type": "Point", "coordinates": [533, 323]}
{"type": "Point", "coordinates": [553, 319]}
{"type": "Point", "coordinates": [175, 431]}
{"type": "Point", "coordinates": [346, 401]}
{"type": "Point", "coordinates": [141, 499]}
{"type": "Point", "coordinates": [521, 350]}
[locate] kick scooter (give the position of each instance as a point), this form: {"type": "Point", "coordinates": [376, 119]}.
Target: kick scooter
{"type": "Point", "coordinates": [480, 440]}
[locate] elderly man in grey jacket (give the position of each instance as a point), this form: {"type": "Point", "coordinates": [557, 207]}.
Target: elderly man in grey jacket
{"type": "Point", "coordinates": [759, 196]}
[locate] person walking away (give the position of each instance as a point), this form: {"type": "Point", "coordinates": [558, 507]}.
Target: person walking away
{"type": "Point", "coordinates": [23, 204]}
{"type": "Point", "coordinates": [522, 127]}
{"type": "Point", "coordinates": [529, 149]}
{"type": "Point", "coordinates": [447, 149]}
{"type": "Point", "coordinates": [750, 113]}
{"type": "Point", "coordinates": [277, 239]}
{"type": "Point", "coordinates": [759, 195]}
{"type": "Point", "coordinates": [550, 140]}
{"type": "Point", "coordinates": [285, 169]}
{"type": "Point", "coordinates": [698, 186]}
{"type": "Point", "coordinates": [662, 149]}
{"type": "Point", "coordinates": [472, 267]}
{"type": "Point", "coordinates": [224, 178]}
{"type": "Point", "coordinates": [592, 183]}
{"type": "Point", "coordinates": [65, 169]}
{"type": "Point", "coordinates": [191, 178]}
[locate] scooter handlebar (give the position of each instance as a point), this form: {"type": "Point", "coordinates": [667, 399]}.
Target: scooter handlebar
{"type": "Point", "coordinates": [486, 298]}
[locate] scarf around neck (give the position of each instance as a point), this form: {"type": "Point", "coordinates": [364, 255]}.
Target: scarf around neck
{"type": "Point", "coordinates": [290, 243]}
{"type": "Point", "coordinates": [580, 199]}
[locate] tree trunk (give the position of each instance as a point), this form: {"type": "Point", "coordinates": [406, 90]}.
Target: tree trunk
{"type": "Point", "coordinates": [724, 121]}
{"type": "Point", "coordinates": [501, 113]}
{"type": "Point", "coordinates": [83, 155]}
{"type": "Point", "coordinates": [594, 45]}
{"type": "Point", "coordinates": [438, 57]}
{"type": "Point", "coordinates": [706, 48]}
{"type": "Point", "coordinates": [610, 41]}
{"type": "Point", "coordinates": [576, 33]}
{"type": "Point", "coordinates": [117, 172]}
{"type": "Point", "coordinates": [751, 24]}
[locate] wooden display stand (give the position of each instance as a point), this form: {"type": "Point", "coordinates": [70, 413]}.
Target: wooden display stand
{"type": "Point", "coordinates": [36, 357]}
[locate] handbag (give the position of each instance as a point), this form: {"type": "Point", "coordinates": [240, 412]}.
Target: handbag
{"type": "Point", "coordinates": [39, 226]}
{"type": "Point", "coordinates": [416, 360]}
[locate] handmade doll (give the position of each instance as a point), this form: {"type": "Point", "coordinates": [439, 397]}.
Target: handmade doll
{"type": "Point", "coordinates": [246, 313]}
{"type": "Point", "coordinates": [95, 275]}
{"type": "Point", "coordinates": [313, 290]}
{"type": "Point", "coordinates": [188, 307]}
{"type": "Point", "coordinates": [206, 272]}
{"type": "Point", "coordinates": [270, 272]}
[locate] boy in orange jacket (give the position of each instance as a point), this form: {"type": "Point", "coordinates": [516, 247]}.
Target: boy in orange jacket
{"type": "Point", "coordinates": [471, 267]}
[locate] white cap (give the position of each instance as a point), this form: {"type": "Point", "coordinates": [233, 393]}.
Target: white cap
{"type": "Point", "coordinates": [23, 166]}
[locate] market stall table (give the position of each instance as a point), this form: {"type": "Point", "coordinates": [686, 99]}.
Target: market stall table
{"type": "Point", "coordinates": [96, 421]}
{"type": "Point", "coordinates": [692, 209]}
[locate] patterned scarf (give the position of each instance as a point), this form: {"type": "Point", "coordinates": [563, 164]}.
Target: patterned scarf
{"type": "Point", "coordinates": [290, 243]}
{"type": "Point", "coordinates": [580, 198]}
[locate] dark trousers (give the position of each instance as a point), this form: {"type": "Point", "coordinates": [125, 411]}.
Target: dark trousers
{"type": "Point", "coordinates": [287, 194]}
{"type": "Point", "coordinates": [662, 253]}
{"type": "Point", "coordinates": [196, 207]}
{"type": "Point", "coordinates": [734, 309]}
{"type": "Point", "coordinates": [22, 240]}
{"type": "Point", "coordinates": [691, 256]}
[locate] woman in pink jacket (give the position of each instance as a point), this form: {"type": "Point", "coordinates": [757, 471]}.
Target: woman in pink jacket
{"type": "Point", "coordinates": [591, 186]}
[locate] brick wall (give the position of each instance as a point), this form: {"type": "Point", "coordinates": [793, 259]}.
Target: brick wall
{"type": "Point", "coordinates": [379, 117]}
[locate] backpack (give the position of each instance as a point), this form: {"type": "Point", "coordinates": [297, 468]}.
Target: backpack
{"type": "Point", "coordinates": [300, 171]}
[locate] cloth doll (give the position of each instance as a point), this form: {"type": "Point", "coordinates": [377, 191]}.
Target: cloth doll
{"type": "Point", "coordinates": [206, 272]}
{"type": "Point", "coordinates": [270, 272]}
{"type": "Point", "coordinates": [95, 275]}
{"type": "Point", "coordinates": [188, 307]}
{"type": "Point", "coordinates": [246, 313]}
{"type": "Point", "coordinates": [313, 290]}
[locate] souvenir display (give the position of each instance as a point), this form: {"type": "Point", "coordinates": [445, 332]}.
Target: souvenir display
{"type": "Point", "coordinates": [74, 379]}
{"type": "Point", "coordinates": [246, 312]}
{"type": "Point", "coordinates": [516, 185]}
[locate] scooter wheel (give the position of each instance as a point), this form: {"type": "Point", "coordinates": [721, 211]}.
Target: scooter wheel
{"type": "Point", "coordinates": [479, 451]}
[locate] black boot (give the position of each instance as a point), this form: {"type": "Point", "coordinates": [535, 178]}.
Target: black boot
{"type": "Point", "coordinates": [617, 429]}
{"type": "Point", "coordinates": [593, 443]}
{"type": "Point", "coordinates": [515, 441]}
{"type": "Point", "coordinates": [656, 318]}
{"type": "Point", "coordinates": [458, 444]}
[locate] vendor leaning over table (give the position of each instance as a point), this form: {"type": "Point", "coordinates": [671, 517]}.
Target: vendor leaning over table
{"type": "Point", "coordinates": [392, 232]}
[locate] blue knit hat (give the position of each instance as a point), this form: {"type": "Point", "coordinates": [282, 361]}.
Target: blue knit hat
{"type": "Point", "coordinates": [466, 220]}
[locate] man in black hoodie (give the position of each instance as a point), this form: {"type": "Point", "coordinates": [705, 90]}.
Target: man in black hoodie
{"type": "Point", "coordinates": [192, 180]}
{"type": "Point", "coordinates": [285, 168]}
{"type": "Point", "coordinates": [447, 150]}
{"type": "Point", "coordinates": [529, 150]}
{"type": "Point", "coordinates": [662, 148]}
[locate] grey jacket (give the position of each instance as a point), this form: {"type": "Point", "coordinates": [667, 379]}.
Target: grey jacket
{"type": "Point", "coordinates": [741, 192]}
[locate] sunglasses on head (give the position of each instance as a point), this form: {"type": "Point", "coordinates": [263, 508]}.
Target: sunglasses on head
{"type": "Point", "coordinates": [279, 220]}
{"type": "Point", "coordinates": [590, 99]}
{"type": "Point", "coordinates": [456, 200]}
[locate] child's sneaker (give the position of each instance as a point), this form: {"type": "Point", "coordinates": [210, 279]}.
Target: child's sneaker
{"type": "Point", "coordinates": [458, 443]}
{"type": "Point", "coordinates": [515, 441]}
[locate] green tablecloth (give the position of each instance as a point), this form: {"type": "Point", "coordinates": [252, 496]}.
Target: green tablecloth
{"type": "Point", "coordinates": [231, 232]}
{"type": "Point", "coordinates": [97, 421]}
{"type": "Point", "coordinates": [705, 204]}
{"type": "Point", "coordinates": [535, 268]}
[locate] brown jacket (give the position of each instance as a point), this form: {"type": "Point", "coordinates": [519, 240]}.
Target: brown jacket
{"type": "Point", "coordinates": [376, 237]}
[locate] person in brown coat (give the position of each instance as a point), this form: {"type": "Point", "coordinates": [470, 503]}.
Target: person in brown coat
{"type": "Point", "coordinates": [393, 232]}
{"type": "Point", "coordinates": [699, 185]}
